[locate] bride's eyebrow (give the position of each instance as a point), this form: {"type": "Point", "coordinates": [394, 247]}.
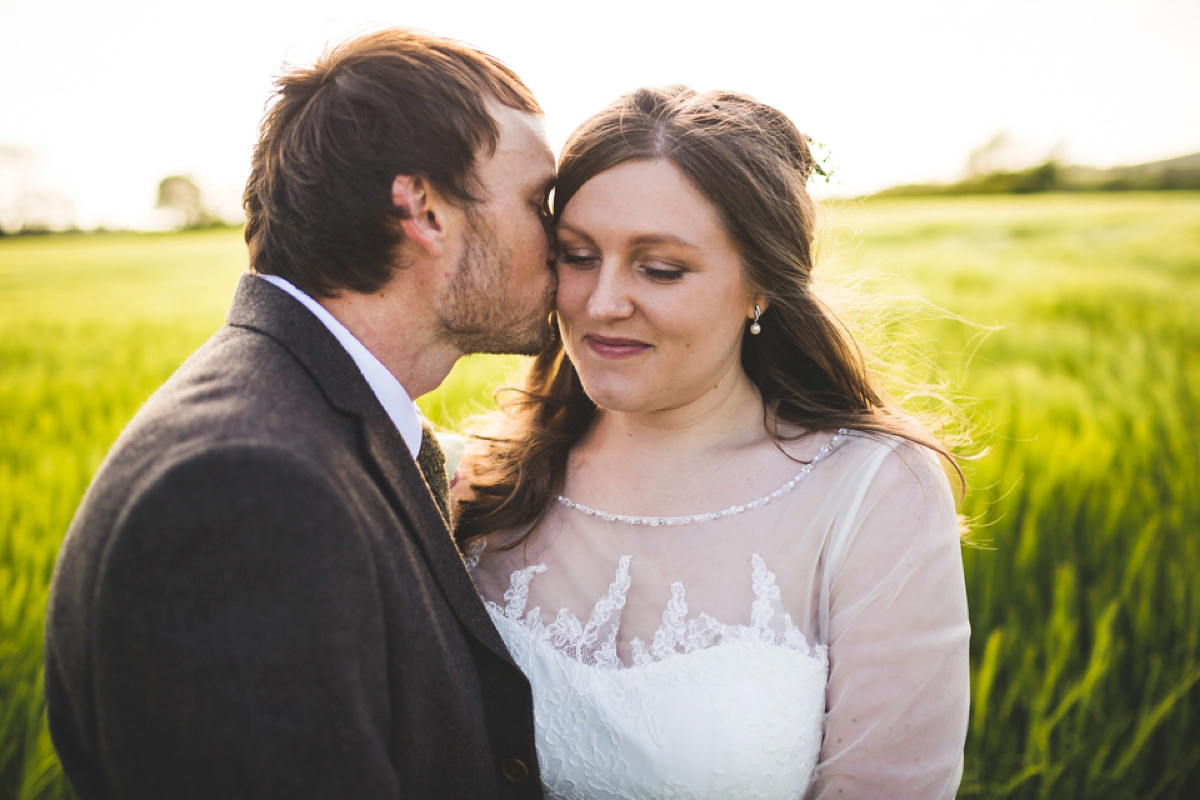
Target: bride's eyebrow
{"type": "Point", "coordinates": [639, 239]}
{"type": "Point", "coordinates": [563, 227]}
{"type": "Point", "coordinates": [664, 238]}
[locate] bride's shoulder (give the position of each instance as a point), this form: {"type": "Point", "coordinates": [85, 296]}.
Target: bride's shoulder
{"type": "Point", "coordinates": [802, 444]}
{"type": "Point", "coordinates": [851, 454]}
{"type": "Point", "coordinates": [898, 472]}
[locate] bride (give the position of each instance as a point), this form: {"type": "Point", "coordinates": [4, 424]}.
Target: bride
{"type": "Point", "coordinates": [727, 563]}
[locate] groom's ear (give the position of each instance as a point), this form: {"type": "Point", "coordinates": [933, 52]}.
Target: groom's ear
{"type": "Point", "coordinates": [422, 212]}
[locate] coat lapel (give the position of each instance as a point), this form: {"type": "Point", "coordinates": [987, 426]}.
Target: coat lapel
{"type": "Point", "coordinates": [263, 307]}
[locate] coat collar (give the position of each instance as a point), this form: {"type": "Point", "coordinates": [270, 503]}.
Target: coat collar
{"type": "Point", "coordinates": [260, 306]}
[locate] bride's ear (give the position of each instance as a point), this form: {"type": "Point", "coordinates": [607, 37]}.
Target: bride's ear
{"type": "Point", "coordinates": [422, 212]}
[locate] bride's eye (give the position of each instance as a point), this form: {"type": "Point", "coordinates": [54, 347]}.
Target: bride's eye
{"type": "Point", "coordinates": [578, 259]}
{"type": "Point", "coordinates": [662, 274]}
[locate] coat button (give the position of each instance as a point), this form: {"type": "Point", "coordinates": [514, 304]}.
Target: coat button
{"type": "Point", "coordinates": [514, 769]}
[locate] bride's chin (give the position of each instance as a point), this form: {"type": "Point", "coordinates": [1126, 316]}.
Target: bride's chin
{"type": "Point", "coordinates": [612, 396]}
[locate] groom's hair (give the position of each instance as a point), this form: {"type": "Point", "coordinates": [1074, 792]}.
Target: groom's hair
{"type": "Point", "coordinates": [318, 202]}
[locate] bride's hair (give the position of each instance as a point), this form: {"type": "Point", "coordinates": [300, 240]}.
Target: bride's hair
{"type": "Point", "coordinates": [753, 165]}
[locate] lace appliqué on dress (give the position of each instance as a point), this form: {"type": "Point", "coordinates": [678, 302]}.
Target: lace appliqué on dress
{"type": "Point", "coordinates": [594, 643]}
{"type": "Point", "coordinates": [474, 551]}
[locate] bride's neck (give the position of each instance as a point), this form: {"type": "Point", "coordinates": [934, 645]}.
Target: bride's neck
{"type": "Point", "coordinates": [730, 416]}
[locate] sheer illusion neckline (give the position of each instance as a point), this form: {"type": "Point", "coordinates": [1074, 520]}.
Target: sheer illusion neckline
{"type": "Point", "coordinates": [654, 522]}
{"type": "Point", "coordinates": [594, 642]}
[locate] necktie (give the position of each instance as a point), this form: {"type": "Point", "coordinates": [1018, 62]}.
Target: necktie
{"type": "Point", "coordinates": [432, 462]}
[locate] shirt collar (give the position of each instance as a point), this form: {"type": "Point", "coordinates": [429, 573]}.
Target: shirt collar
{"type": "Point", "coordinates": [395, 400]}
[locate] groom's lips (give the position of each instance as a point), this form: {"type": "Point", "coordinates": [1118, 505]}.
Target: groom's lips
{"type": "Point", "coordinates": [609, 347]}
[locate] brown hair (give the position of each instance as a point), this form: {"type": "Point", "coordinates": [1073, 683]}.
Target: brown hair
{"type": "Point", "coordinates": [318, 202]}
{"type": "Point", "coordinates": [752, 164]}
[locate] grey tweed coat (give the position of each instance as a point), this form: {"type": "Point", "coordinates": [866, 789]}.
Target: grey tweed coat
{"type": "Point", "coordinates": [258, 598]}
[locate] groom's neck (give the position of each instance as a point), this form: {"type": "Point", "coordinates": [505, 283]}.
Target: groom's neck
{"type": "Point", "coordinates": [398, 327]}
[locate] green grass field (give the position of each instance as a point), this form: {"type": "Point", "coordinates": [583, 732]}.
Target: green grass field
{"type": "Point", "coordinates": [1078, 372]}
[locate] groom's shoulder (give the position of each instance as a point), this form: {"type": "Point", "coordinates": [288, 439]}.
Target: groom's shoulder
{"type": "Point", "coordinates": [240, 381]}
{"type": "Point", "coordinates": [241, 392]}
{"type": "Point", "coordinates": [240, 421]}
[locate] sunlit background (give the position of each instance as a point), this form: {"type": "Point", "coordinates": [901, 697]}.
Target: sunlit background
{"type": "Point", "coordinates": [1069, 333]}
{"type": "Point", "coordinates": [101, 100]}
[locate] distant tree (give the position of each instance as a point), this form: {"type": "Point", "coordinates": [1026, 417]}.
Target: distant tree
{"type": "Point", "coordinates": [180, 194]}
{"type": "Point", "coordinates": [992, 156]}
{"type": "Point", "coordinates": [1043, 178]}
{"type": "Point", "coordinates": [1004, 153]}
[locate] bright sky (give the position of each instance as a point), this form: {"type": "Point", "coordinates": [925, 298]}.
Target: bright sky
{"type": "Point", "coordinates": [112, 96]}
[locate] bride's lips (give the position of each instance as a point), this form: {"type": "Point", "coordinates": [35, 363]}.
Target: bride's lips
{"type": "Point", "coordinates": [609, 347]}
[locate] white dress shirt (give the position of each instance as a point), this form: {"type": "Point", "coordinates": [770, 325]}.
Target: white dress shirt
{"type": "Point", "coordinates": [395, 400]}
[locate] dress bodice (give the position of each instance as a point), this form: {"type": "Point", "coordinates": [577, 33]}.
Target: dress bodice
{"type": "Point", "coordinates": [811, 647]}
{"type": "Point", "coordinates": [694, 715]}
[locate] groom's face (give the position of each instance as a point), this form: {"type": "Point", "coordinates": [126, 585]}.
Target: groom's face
{"type": "Point", "coordinates": [502, 291]}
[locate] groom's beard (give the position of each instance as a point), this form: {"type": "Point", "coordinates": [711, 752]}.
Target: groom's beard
{"type": "Point", "coordinates": [480, 312]}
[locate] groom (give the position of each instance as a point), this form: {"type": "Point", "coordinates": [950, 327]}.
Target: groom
{"type": "Point", "coordinates": [258, 596]}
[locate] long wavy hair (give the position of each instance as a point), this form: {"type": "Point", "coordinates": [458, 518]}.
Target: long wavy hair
{"type": "Point", "coordinates": [753, 165]}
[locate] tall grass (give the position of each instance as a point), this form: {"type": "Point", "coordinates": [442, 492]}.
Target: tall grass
{"type": "Point", "coordinates": [1086, 617]}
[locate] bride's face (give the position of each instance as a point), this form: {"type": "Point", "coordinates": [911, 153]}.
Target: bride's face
{"type": "Point", "coordinates": [652, 297]}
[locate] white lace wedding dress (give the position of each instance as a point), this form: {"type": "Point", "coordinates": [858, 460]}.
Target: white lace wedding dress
{"type": "Point", "coordinates": [814, 645]}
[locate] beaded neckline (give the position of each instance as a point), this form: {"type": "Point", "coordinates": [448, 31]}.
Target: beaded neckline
{"type": "Point", "coordinates": [655, 522]}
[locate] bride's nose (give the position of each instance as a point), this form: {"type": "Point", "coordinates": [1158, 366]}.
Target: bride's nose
{"type": "Point", "coordinates": [610, 296]}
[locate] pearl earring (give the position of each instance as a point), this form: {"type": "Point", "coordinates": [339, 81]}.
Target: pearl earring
{"type": "Point", "coordinates": [755, 328]}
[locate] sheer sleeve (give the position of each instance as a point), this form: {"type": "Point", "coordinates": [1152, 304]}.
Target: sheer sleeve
{"type": "Point", "coordinates": [895, 613]}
